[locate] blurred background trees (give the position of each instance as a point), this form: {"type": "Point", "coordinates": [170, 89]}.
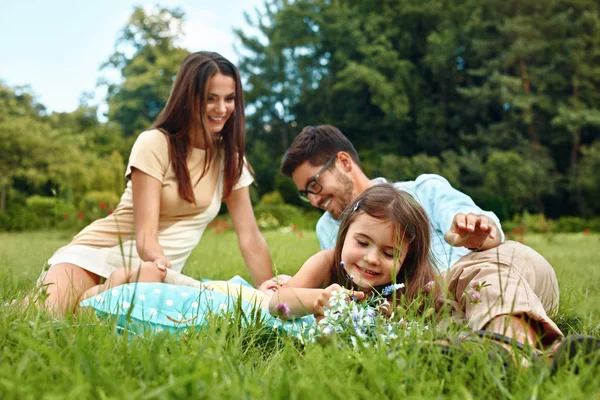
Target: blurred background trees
{"type": "Point", "coordinates": [500, 97]}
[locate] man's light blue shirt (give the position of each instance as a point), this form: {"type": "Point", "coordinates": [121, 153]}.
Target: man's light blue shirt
{"type": "Point", "coordinates": [441, 203]}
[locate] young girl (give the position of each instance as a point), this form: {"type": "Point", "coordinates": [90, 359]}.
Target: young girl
{"type": "Point", "coordinates": [383, 240]}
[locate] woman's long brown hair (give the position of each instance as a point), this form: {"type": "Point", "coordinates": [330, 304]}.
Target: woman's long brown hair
{"type": "Point", "coordinates": [184, 114]}
{"type": "Point", "coordinates": [410, 223]}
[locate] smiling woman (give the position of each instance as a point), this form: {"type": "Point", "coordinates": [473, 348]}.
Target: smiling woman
{"type": "Point", "coordinates": [179, 172]}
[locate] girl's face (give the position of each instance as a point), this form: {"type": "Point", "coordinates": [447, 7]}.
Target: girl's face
{"type": "Point", "coordinates": [220, 103]}
{"type": "Point", "coordinates": [371, 253]}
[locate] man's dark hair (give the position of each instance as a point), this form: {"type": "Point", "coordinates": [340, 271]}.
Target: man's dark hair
{"type": "Point", "coordinates": [316, 145]}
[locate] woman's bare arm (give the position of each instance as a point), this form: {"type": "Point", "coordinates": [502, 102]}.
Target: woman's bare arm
{"type": "Point", "coordinates": [146, 209]}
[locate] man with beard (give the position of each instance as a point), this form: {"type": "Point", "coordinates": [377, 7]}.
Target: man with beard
{"type": "Point", "coordinates": [505, 289]}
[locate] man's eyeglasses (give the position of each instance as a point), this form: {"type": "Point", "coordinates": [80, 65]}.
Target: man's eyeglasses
{"type": "Point", "coordinates": [313, 186]}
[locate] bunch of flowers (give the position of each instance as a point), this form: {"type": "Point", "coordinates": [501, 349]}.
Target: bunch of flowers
{"type": "Point", "coordinates": [473, 292]}
{"type": "Point", "coordinates": [362, 323]}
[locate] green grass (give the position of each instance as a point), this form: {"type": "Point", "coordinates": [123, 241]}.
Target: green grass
{"type": "Point", "coordinates": [42, 358]}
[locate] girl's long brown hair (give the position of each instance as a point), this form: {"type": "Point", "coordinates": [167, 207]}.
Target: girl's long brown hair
{"type": "Point", "coordinates": [410, 223]}
{"type": "Point", "coordinates": [184, 114]}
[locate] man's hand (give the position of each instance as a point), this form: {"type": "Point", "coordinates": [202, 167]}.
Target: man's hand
{"type": "Point", "coordinates": [471, 231]}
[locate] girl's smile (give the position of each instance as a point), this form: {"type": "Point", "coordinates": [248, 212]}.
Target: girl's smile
{"type": "Point", "coordinates": [367, 272]}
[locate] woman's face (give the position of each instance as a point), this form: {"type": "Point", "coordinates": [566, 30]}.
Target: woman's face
{"type": "Point", "coordinates": [220, 103]}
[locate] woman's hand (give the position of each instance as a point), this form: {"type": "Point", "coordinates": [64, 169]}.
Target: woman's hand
{"type": "Point", "coordinates": [322, 301]}
{"type": "Point", "coordinates": [162, 263]}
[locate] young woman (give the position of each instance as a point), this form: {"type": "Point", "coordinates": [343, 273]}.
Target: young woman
{"type": "Point", "coordinates": [179, 172]}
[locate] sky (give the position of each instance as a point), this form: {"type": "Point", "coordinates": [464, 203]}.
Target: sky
{"type": "Point", "coordinates": [57, 46]}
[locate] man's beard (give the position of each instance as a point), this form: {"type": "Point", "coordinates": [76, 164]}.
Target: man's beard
{"type": "Point", "coordinates": [345, 196]}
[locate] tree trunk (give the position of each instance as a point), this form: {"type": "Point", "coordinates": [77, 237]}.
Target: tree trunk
{"type": "Point", "coordinates": [576, 145]}
{"type": "Point", "coordinates": [3, 190]}
{"type": "Point", "coordinates": [533, 141]}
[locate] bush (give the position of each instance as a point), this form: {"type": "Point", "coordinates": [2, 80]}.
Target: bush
{"type": "Point", "coordinates": [532, 223]}
{"type": "Point", "coordinates": [51, 212]}
{"type": "Point", "coordinates": [571, 224]}
{"type": "Point", "coordinates": [537, 223]}
{"type": "Point", "coordinates": [594, 224]}
{"type": "Point", "coordinates": [271, 216]}
{"type": "Point", "coordinates": [272, 198]}
{"type": "Point", "coordinates": [48, 208]}
{"type": "Point", "coordinates": [18, 217]}
{"type": "Point", "coordinates": [96, 204]}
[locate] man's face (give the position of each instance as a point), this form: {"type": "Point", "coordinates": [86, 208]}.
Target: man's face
{"type": "Point", "coordinates": [337, 187]}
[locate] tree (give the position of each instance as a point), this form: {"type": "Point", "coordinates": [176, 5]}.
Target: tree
{"type": "Point", "coordinates": [584, 178]}
{"type": "Point", "coordinates": [23, 146]}
{"type": "Point", "coordinates": [147, 57]}
{"type": "Point", "coordinates": [412, 83]}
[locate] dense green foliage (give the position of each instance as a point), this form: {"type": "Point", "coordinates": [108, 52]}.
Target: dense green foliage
{"type": "Point", "coordinates": [500, 97]}
{"type": "Point", "coordinates": [44, 358]}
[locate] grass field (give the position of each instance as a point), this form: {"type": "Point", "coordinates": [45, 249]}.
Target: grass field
{"type": "Point", "coordinates": [43, 358]}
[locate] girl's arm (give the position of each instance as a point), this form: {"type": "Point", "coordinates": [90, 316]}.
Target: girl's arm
{"type": "Point", "coordinates": [146, 208]}
{"type": "Point", "coordinates": [303, 294]}
{"type": "Point", "coordinates": [252, 243]}
{"type": "Point", "coordinates": [315, 271]}
{"type": "Point", "coordinates": [300, 301]}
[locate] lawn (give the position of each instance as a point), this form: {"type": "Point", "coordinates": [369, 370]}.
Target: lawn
{"type": "Point", "coordinates": [42, 358]}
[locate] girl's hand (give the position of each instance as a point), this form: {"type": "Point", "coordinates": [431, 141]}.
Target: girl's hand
{"type": "Point", "coordinates": [322, 301]}
{"type": "Point", "coordinates": [385, 308]}
{"type": "Point", "coordinates": [162, 263]}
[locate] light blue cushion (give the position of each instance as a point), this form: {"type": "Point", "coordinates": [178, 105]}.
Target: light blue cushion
{"type": "Point", "coordinates": [157, 307]}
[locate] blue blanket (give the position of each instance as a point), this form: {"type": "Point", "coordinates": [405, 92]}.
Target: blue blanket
{"type": "Point", "coordinates": [157, 307]}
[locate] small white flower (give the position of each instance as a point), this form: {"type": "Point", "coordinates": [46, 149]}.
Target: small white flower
{"type": "Point", "coordinates": [328, 330]}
